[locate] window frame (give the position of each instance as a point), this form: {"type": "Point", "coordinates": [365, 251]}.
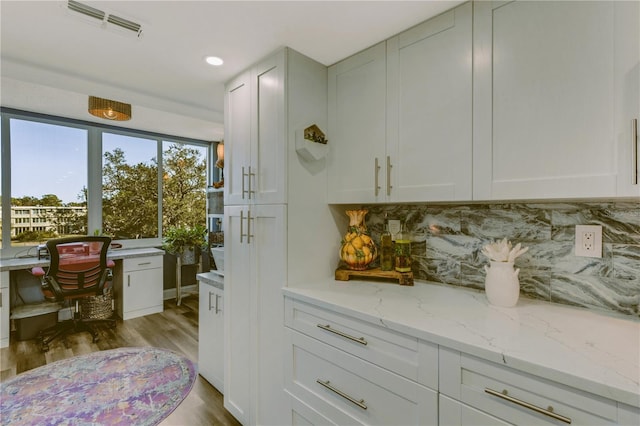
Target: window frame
{"type": "Point", "coordinates": [94, 170]}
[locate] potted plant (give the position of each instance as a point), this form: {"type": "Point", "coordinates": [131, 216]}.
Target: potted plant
{"type": "Point", "coordinates": [185, 242]}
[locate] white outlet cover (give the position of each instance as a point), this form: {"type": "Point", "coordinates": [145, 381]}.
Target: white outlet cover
{"type": "Point", "coordinates": [580, 249]}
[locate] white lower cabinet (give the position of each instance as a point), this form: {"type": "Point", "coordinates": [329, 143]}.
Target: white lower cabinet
{"type": "Point", "coordinates": [345, 371]}
{"type": "Point", "coordinates": [455, 413]}
{"type": "Point", "coordinates": [138, 289]}
{"type": "Point", "coordinates": [211, 335]}
{"type": "Point", "coordinates": [4, 309]}
{"type": "Point", "coordinates": [512, 396]}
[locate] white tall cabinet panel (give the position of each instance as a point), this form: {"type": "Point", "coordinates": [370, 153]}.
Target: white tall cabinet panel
{"type": "Point", "coordinates": [555, 90]}
{"type": "Point", "coordinates": [4, 309]}
{"type": "Point", "coordinates": [357, 155]}
{"type": "Point", "coordinates": [255, 271]}
{"type": "Point", "coordinates": [429, 109]}
{"type": "Point", "coordinates": [274, 102]}
{"type": "Point", "coordinates": [237, 131]}
{"type": "Point", "coordinates": [211, 334]}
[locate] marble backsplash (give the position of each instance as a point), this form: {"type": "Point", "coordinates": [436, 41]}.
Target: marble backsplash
{"type": "Point", "coordinates": [447, 240]}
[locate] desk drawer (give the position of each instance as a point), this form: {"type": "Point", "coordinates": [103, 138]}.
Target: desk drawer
{"type": "Point", "coordinates": [347, 390]}
{"type": "Point", "coordinates": [518, 397]}
{"type": "Point", "coordinates": [405, 355]}
{"type": "Point", "coordinates": [141, 263]}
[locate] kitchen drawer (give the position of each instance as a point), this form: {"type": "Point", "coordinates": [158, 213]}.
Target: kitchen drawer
{"type": "Point", "coordinates": [455, 413]}
{"type": "Point", "coordinates": [141, 263]}
{"type": "Point", "coordinates": [405, 355]}
{"type": "Point", "coordinates": [486, 386]}
{"type": "Point", "coordinates": [354, 391]}
{"type": "Point", "coordinates": [303, 415]}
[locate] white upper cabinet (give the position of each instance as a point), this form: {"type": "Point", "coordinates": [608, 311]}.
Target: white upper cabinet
{"type": "Point", "coordinates": [556, 85]}
{"type": "Point", "coordinates": [429, 106]}
{"type": "Point", "coordinates": [400, 116]}
{"type": "Point", "coordinates": [357, 128]}
{"type": "Point", "coordinates": [254, 135]}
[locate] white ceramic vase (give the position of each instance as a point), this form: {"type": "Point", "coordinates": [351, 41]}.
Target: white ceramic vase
{"type": "Point", "coordinates": [502, 285]}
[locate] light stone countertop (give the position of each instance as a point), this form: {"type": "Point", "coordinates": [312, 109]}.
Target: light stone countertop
{"type": "Point", "coordinates": [213, 278]}
{"type": "Point", "coordinates": [585, 349]}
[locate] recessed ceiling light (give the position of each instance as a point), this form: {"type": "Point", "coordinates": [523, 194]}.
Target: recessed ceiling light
{"type": "Point", "coordinates": [214, 60]}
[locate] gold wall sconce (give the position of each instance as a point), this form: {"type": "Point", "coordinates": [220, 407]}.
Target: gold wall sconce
{"type": "Point", "coordinates": [108, 109]}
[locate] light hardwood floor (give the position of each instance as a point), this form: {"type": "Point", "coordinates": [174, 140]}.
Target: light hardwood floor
{"type": "Point", "coordinates": [176, 329]}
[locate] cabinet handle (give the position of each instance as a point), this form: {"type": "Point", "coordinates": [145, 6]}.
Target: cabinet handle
{"type": "Point", "coordinates": [249, 234]}
{"type": "Point", "coordinates": [128, 280]}
{"type": "Point", "coordinates": [634, 151]}
{"type": "Point", "coordinates": [242, 234]}
{"type": "Point", "coordinates": [0, 299]}
{"type": "Point", "coordinates": [243, 175]}
{"type": "Point", "coordinates": [389, 166]}
{"type": "Point", "coordinates": [548, 412]}
{"type": "Point", "coordinates": [376, 171]}
{"type": "Point", "coordinates": [210, 300]}
{"type": "Point", "coordinates": [144, 263]}
{"type": "Point", "coordinates": [359, 402]}
{"type": "Point", "coordinates": [327, 327]}
{"type": "Point", "coordinates": [251, 191]}
{"type": "Point", "coordinates": [217, 297]}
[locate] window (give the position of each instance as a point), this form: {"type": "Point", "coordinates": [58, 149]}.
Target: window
{"type": "Point", "coordinates": [68, 177]}
{"type": "Point", "coordinates": [48, 168]}
{"type": "Point", "coordinates": [129, 187]}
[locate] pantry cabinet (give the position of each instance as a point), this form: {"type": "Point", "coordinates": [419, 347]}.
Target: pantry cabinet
{"type": "Point", "coordinates": [254, 135]}
{"type": "Point", "coordinates": [400, 116]}
{"type": "Point", "coordinates": [255, 271]}
{"type": "Point", "coordinates": [266, 182]}
{"type": "Point", "coordinates": [556, 85]}
{"type": "Point", "coordinates": [211, 333]}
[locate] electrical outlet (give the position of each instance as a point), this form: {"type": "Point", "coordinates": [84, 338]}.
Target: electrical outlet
{"type": "Point", "coordinates": [394, 227]}
{"type": "Point", "coordinates": [588, 240]}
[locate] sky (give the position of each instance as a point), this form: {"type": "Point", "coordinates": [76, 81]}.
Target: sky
{"type": "Point", "coordinates": [40, 166]}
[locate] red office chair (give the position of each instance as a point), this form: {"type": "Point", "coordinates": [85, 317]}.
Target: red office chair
{"type": "Point", "coordinates": [78, 269]}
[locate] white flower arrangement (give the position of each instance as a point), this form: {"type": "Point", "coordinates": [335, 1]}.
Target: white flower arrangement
{"type": "Point", "coordinates": [502, 251]}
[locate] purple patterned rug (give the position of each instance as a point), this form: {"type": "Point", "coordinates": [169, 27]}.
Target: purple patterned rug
{"type": "Point", "coordinates": [125, 386]}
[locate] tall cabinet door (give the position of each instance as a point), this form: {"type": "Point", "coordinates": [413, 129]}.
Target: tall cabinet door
{"type": "Point", "coordinates": [237, 147]}
{"type": "Point", "coordinates": [429, 95]}
{"type": "Point", "coordinates": [357, 125]}
{"type": "Point", "coordinates": [552, 84]}
{"type": "Point", "coordinates": [269, 267]}
{"type": "Point", "coordinates": [238, 294]}
{"type": "Point", "coordinates": [268, 143]}
{"type": "Point", "coordinates": [211, 334]}
{"type": "Point", "coordinates": [255, 272]}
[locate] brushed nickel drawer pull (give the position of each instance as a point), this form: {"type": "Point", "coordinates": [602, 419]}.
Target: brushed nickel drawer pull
{"type": "Point", "coordinates": [251, 191]}
{"type": "Point", "coordinates": [327, 327]}
{"type": "Point", "coordinates": [360, 403]}
{"type": "Point", "coordinates": [634, 151]}
{"type": "Point", "coordinates": [376, 170]}
{"type": "Point", "coordinates": [243, 175]}
{"type": "Point", "coordinates": [389, 166]}
{"type": "Point", "coordinates": [548, 412]}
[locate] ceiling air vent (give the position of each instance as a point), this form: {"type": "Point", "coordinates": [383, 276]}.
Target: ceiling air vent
{"type": "Point", "coordinates": [125, 23]}
{"type": "Point", "coordinates": [104, 17]}
{"type": "Point", "coordinates": [86, 10]}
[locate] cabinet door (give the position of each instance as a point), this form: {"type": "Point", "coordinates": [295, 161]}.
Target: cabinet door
{"type": "Point", "coordinates": [269, 269]}
{"type": "Point", "coordinates": [357, 159]}
{"type": "Point", "coordinates": [237, 123]}
{"type": "Point", "coordinates": [211, 333]}
{"type": "Point", "coordinates": [237, 321]}
{"type": "Point", "coordinates": [551, 81]}
{"type": "Point", "coordinates": [429, 95]}
{"type": "Point", "coordinates": [268, 143]}
{"type": "Point", "coordinates": [142, 293]}
{"type": "Point", "coordinates": [4, 309]}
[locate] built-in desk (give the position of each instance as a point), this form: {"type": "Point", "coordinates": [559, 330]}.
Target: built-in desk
{"type": "Point", "coordinates": [117, 255]}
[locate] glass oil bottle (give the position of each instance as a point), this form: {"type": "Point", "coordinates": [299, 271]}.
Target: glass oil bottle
{"type": "Point", "coordinates": [386, 248]}
{"type": "Point", "coordinates": [403, 251]}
